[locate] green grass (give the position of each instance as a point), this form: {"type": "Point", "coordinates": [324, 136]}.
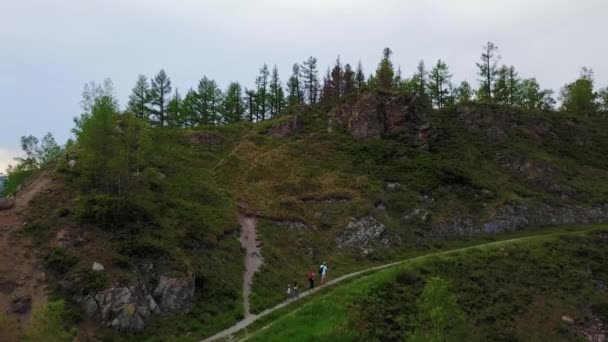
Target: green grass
{"type": "Point", "coordinates": [14, 180]}
{"type": "Point", "coordinates": [501, 287]}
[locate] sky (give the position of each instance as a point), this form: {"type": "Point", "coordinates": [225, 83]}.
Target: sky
{"type": "Point", "coordinates": [50, 49]}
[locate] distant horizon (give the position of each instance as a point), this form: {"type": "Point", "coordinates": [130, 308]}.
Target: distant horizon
{"type": "Point", "coordinates": [53, 49]}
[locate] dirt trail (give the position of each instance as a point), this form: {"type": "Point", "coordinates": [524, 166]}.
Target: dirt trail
{"type": "Point", "coordinates": [253, 256]}
{"type": "Point", "coordinates": [20, 276]}
{"type": "Point", "coordinates": [250, 319]}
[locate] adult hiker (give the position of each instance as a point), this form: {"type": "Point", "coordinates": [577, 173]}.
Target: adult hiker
{"type": "Point", "coordinates": [323, 272]}
{"type": "Point", "coordinates": [311, 279]}
{"type": "Point", "coordinates": [295, 290]}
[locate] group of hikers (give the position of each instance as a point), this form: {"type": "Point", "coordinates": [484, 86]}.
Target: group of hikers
{"type": "Point", "coordinates": [292, 292]}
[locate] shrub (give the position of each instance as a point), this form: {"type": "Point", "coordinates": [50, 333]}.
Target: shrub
{"type": "Point", "coordinates": [47, 324]}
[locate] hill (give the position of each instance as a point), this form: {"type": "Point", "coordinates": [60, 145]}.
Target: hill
{"type": "Point", "coordinates": [152, 248]}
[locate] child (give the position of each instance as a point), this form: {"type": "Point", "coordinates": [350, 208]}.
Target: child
{"type": "Point", "coordinates": [288, 292]}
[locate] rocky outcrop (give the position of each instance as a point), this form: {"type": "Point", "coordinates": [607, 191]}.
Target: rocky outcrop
{"type": "Point", "coordinates": [373, 115]}
{"type": "Point", "coordinates": [205, 138]}
{"type": "Point", "coordinates": [514, 216]}
{"type": "Point", "coordinates": [175, 294]}
{"type": "Point", "coordinates": [6, 203]}
{"type": "Point", "coordinates": [128, 308]}
{"type": "Point", "coordinates": [285, 128]}
{"type": "Point", "coordinates": [365, 232]}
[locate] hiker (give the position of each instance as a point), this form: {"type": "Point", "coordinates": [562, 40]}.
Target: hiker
{"type": "Point", "coordinates": [323, 272]}
{"type": "Point", "coordinates": [295, 290]}
{"type": "Point", "coordinates": [311, 279]}
{"type": "Point", "coordinates": [288, 292]}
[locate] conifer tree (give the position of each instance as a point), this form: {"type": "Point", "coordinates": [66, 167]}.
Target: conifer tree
{"type": "Point", "coordinates": [327, 94]}
{"type": "Point", "coordinates": [234, 106]}
{"type": "Point", "coordinates": [385, 73]}
{"type": "Point", "coordinates": [359, 76]}
{"type": "Point", "coordinates": [420, 82]}
{"type": "Point", "coordinates": [488, 69]}
{"type": "Point", "coordinates": [252, 111]}
{"type": "Point", "coordinates": [174, 111]}
{"type": "Point", "coordinates": [189, 108]}
{"type": "Point", "coordinates": [276, 95]}
{"type": "Point", "coordinates": [349, 80]}
{"type": "Point", "coordinates": [139, 100]}
{"type": "Point", "coordinates": [439, 84]}
{"type": "Point", "coordinates": [310, 79]}
{"type": "Point", "coordinates": [294, 88]}
{"type": "Point", "coordinates": [463, 93]}
{"type": "Point", "coordinates": [262, 91]}
{"type": "Point", "coordinates": [209, 100]}
{"type": "Point", "coordinates": [532, 97]}
{"type": "Point", "coordinates": [159, 94]}
{"type": "Point", "coordinates": [337, 80]}
{"type": "Point", "coordinates": [579, 96]}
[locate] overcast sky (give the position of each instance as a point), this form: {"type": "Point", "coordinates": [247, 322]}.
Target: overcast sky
{"type": "Point", "coordinates": [49, 49]}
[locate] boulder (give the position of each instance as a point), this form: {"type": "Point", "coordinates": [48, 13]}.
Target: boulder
{"type": "Point", "coordinates": [72, 163]}
{"type": "Point", "coordinates": [568, 320]}
{"type": "Point", "coordinates": [205, 138]}
{"type": "Point", "coordinates": [175, 294]}
{"type": "Point", "coordinates": [6, 203]}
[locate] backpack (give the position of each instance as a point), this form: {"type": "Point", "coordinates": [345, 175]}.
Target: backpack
{"type": "Point", "coordinates": [311, 275]}
{"type": "Point", "coordinates": [321, 270]}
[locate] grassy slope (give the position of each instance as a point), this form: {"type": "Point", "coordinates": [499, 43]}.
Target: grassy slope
{"type": "Point", "coordinates": [511, 290]}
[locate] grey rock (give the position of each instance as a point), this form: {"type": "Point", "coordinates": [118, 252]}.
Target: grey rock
{"type": "Point", "coordinates": [97, 267]}
{"type": "Point", "coordinates": [365, 232]}
{"type": "Point", "coordinates": [416, 215]}
{"type": "Point", "coordinates": [568, 320]}
{"type": "Point", "coordinates": [6, 203]}
{"type": "Point", "coordinates": [72, 163]}
{"type": "Point", "coordinates": [20, 303]}
{"type": "Point", "coordinates": [175, 294]}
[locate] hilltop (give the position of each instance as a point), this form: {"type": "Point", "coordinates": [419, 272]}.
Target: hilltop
{"type": "Point", "coordinates": [151, 246]}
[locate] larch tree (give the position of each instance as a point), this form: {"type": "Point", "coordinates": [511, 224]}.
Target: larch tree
{"type": "Point", "coordinates": [174, 111]}
{"type": "Point", "coordinates": [209, 101]}
{"type": "Point", "coordinates": [463, 93]}
{"type": "Point", "coordinates": [350, 83]}
{"type": "Point", "coordinates": [420, 82]}
{"type": "Point", "coordinates": [385, 72]}
{"type": "Point", "coordinates": [276, 93]}
{"type": "Point", "coordinates": [532, 97]}
{"type": "Point", "coordinates": [310, 79]}
{"type": "Point", "coordinates": [189, 108]}
{"type": "Point", "coordinates": [337, 80]}
{"type": "Point", "coordinates": [233, 105]}
{"type": "Point", "coordinates": [359, 76]}
{"type": "Point", "coordinates": [252, 108]}
{"type": "Point", "coordinates": [326, 90]}
{"type": "Point", "coordinates": [261, 83]}
{"type": "Point", "coordinates": [294, 88]}
{"type": "Point", "coordinates": [140, 100]}
{"type": "Point", "coordinates": [488, 70]}
{"type": "Point", "coordinates": [159, 95]}
{"type": "Point", "coordinates": [603, 99]}
{"type": "Point", "coordinates": [439, 84]}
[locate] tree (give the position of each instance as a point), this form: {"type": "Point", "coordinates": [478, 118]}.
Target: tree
{"type": "Point", "coordinates": [234, 106]}
{"type": "Point", "coordinates": [251, 104]}
{"type": "Point", "coordinates": [37, 152]}
{"type": "Point", "coordinates": [488, 69]}
{"type": "Point", "coordinates": [327, 90]}
{"type": "Point", "coordinates": [359, 76]}
{"type": "Point", "coordinates": [159, 95]}
{"type": "Point", "coordinates": [350, 83]}
{"type": "Point", "coordinates": [579, 97]}
{"type": "Point", "coordinates": [189, 109]}
{"type": "Point", "coordinates": [532, 97]}
{"type": "Point", "coordinates": [439, 84]}
{"type": "Point", "coordinates": [463, 93]}
{"type": "Point", "coordinates": [294, 88]}
{"type": "Point", "coordinates": [310, 79]}
{"type": "Point", "coordinates": [174, 111]}
{"type": "Point", "coordinates": [139, 100]}
{"type": "Point", "coordinates": [603, 99]}
{"type": "Point", "coordinates": [209, 100]}
{"type": "Point", "coordinates": [276, 95]}
{"type": "Point", "coordinates": [337, 80]}
{"type": "Point", "coordinates": [439, 318]}
{"type": "Point", "coordinates": [385, 73]}
{"type": "Point", "coordinates": [262, 91]}
{"type": "Point", "coordinates": [420, 82]}
{"type": "Point", "coordinates": [90, 94]}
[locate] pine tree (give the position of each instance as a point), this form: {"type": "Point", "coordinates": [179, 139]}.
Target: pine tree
{"type": "Point", "coordinates": [234, 106]}
{"type": "Point", "coordinates": [439, 84]}
{"type": "Point", "coordinates": [310, 79]}
{"type": "Point", "coordinates": [276, 95]}
{"type": "Point", "coordinates": [294, 89]}
{"type": "Point", "coordinates": [488, 69]}
{"type": "Point", "coordinates": [139, 100]}
{"type": "Point", "coordinates": [359, 76]}
{"type": "Point", "coordinates": [385, 73]}
{"type": "Point", "coordinates": [159, 94]}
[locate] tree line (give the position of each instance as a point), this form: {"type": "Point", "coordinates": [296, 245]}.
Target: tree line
{"type": "Point", "coordinates": [154, 99]}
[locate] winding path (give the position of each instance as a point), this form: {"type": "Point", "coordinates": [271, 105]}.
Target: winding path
{"type": "Point", "coordinates": [253, 257]}
{"type": "Point", "coordinates": [251, 318]}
